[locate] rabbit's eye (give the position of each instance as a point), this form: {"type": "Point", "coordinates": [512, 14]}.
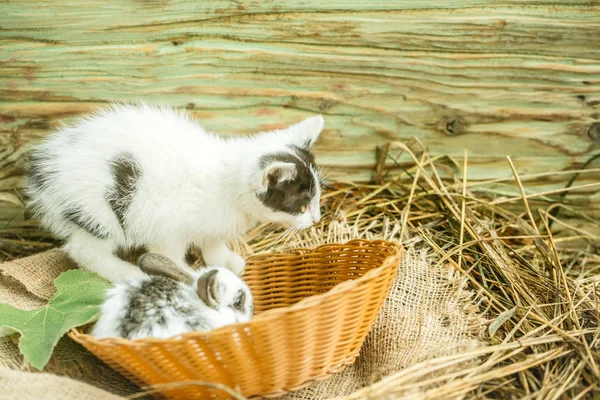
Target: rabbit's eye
{"type": "Point", "coordinates": [238, 302]}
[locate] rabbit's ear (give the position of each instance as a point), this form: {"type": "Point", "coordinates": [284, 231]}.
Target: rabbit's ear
{"type": "Point", "coordinates": [157, 265]}
{"type": "Point", "coordinates": [208, 289]}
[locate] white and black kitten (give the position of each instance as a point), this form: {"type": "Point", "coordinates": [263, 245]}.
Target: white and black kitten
{"type": "Point", "coordinates": [150, 176]}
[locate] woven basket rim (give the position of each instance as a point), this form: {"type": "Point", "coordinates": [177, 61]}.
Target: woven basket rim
{"type": "Point", "coordinates": [267, 315]}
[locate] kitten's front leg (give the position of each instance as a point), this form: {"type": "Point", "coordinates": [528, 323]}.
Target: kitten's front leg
{"type": "Point", "coordinates": [216, 253]}
{"type": "Point", "coordinates": [97, 255]}
{"type": "Point", "coordinates": [173, 251]}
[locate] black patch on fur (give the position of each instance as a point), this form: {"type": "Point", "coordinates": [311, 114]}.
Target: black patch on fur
{"type": "Point", "coordinates": [306, 156]}
{"type": "Point", "coordinates": [85, 222]}
{"type": "Point", "coordinates": [148, 303]}
{"type": "Point", "coordinates": [37, 174]}
{"type": "Point", "coordinates": [126, 173]}
{"type": "Point", "coordinates": [291, 196]}
{"type": "Point", "coordinates": [193, 255]}
{"type": "Point", "coordinates": [130, 254]}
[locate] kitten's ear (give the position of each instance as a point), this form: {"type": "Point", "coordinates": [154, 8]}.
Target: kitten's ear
{"type": "Point", "coordinates": [208, 289]}
{"type": "Point", "coordinates": [158, 265]}
{"type": "Point", "coordinates": [305, 133]}
{"type": "Point", "coordinates": [277, 172]}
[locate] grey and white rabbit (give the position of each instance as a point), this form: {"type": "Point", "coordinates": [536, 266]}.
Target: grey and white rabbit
{"type": "Point", "coordinates": [169, 302]}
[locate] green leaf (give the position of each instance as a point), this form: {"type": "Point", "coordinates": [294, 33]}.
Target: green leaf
{"type": "Point", "coordinates": [79, 295]}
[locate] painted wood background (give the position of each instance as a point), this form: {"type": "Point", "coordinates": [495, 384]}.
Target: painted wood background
{"type": "Point", "coordinates": [502, 77]}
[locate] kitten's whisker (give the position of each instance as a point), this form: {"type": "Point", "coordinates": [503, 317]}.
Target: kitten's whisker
{"type": "Point", "coordinates": [290, 233]}
{"type": "Point", "coordinates": [282, 236]}
{"type": "Point", "coordinates": [285, 236]}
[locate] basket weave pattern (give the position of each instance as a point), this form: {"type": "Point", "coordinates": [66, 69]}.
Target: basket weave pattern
{"type": "Point", "coordinates": [314, 309]}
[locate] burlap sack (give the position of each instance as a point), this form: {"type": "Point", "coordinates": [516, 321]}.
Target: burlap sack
{"type": "Point", "coordinates": [428, 314]}
{"type": "Point", "coordinates": [26, 386]}
{"type": "Point", "coordinates": [27, 284]}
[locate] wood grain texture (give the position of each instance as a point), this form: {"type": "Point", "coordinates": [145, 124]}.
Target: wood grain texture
{"type": "Point", "coordinates": [518, 78]}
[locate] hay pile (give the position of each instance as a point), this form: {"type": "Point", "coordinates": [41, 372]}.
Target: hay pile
{"type": "Point", "coordinates": [534, 272]}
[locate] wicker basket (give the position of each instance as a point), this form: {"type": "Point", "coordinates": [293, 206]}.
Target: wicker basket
{"type": "Point", "coordinates": [314, 309]}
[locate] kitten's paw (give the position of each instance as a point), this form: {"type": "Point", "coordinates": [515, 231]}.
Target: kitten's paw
{"type": "Point", "coordinates": [235, 263]}
{"type": "Point", "coordinates": [128, 274]}
{"type": "Point", "coordinates": [218, 254]}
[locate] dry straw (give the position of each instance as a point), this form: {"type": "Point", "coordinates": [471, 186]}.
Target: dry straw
{"type": "Point", "coordinates": [537, 269]}
{"type": "Point", "coordinates": [531, 257]}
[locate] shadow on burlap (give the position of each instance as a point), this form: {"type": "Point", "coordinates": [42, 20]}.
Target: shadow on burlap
{"type": "Point", "coordinates": [428, 314]}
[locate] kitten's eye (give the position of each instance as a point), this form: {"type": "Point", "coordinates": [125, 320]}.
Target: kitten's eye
{"type": "Point", "coordinates": [303, 209]}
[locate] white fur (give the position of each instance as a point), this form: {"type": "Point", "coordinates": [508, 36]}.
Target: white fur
{"type": "Point", "coordinates": [195, 187]}
{"type": "Point", "coordinates": [115, 308]}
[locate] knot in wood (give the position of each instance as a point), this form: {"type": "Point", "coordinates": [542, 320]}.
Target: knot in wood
{"type": "Point", "coordinates": [454, 127]}
{"type": "Point", "coordinates": [594, 132]}
{"type": "Point", "coordinates": [325, 105]}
